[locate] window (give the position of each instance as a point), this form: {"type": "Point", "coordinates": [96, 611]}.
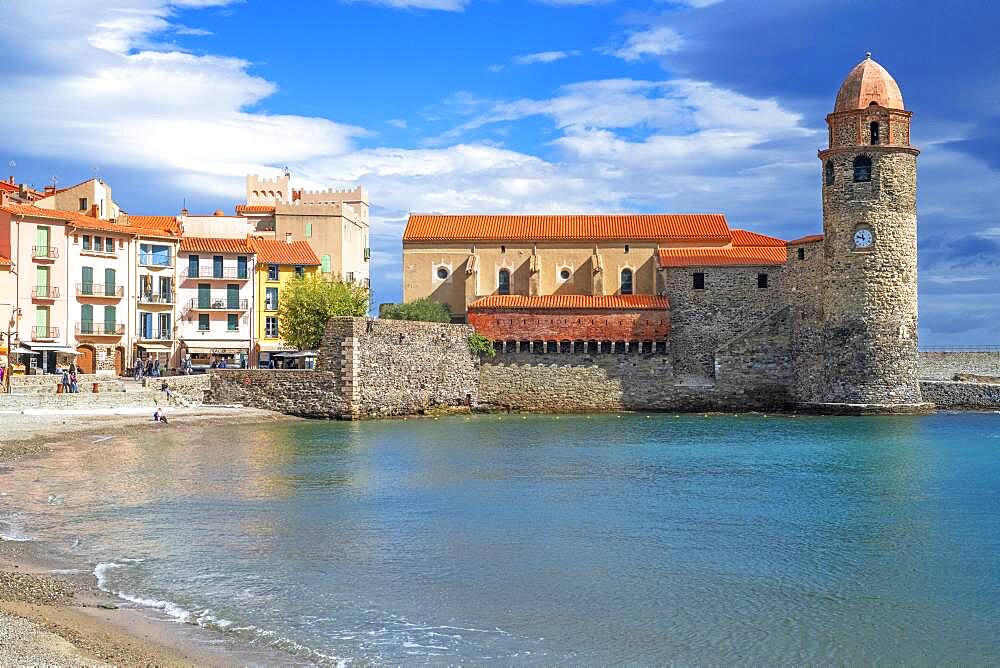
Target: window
{"type": "Point", "coordinates": [86, 242]}
{"type": "Point", "coordinates": [86, 280]}
{"type": "Point", "coordinates": [626, 248]}
{"type": "Point", "coordinates": [217, 266]}
{"type": "Point", "coordinates": [564, 274]}
{"type": "Point", "coordinates": [327, 264]}
{"type": "Point", "coordinates": [271, 299]}
{"type": "Point", "coordinates": [802, 253]}
{"type": "Point", "coordinates": [233, 296]}
{"type": "Point", "coordinates": [698, 281]}
{"type": "Point", "coordinates": [300, 271]}
{"type": "Point", "coordinates": [349, 277]}
{"type": "Point", "coordinates": [109, 245]}
{"type": "Point", "coordinates": [109, 319]}
{"type": "Point", "coordinates": [98, 244]}
{"type": "Point", "coordinates": [272, 272]}
{"type": "Point", "coordinates": [503, 249]}
{"type": "Point", "coordinates": [309, 230]}
{"type": "Point", "coordinates": [109, 282]}
{"type": "Point", "coordinates": [503, 282]}
{"type": "Point", "coordinates": [232, 322]}
{"type": "Point", "coordinates": [862, 169]}
{"type": "Point", "coordinates": [761, 281]}
{"type": "Point", "coordinates": [828, 172]}
{"type": "Point", "coordinates": [83, 204]}
{"type": "Point", "coordinates": [442, 273]}
{"type": "Point", "coordinates": [874, 133]}
{"type": "Point", "coordinates": [193, 266]}
{"type": "Point", "coordinates": [241, 266]}
{"type": "Point", "coordinates": [202, 322]}
{"type": "Point", "coordinates": [626, 281]}
{"type": "Point", "coordinates": [271, 327]}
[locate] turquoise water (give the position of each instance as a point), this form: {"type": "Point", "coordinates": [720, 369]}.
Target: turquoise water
{"type": "Point", "coordinates": [573, 540]}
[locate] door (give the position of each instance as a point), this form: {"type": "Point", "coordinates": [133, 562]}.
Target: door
{"type": "Point", "coordinates": [87, 284]}
{"type": "Point", "coordinates": [86, 319]}
{"type": "Point", "coordinates": [85, 359]}
{"type": "Point", "coordinates": [146, 326]}
{"type": "Point", "coordinates": [241, 267]}
{"type": "Point", "coordinates": [109, 320]}
{"type": "Point", "coordinates": [204, 295]}
{"type": "Point", "coordinates": [193, 271]}
{"type": "Point", "coordinates": [42, 322]}
{"type": "Point", "coordinates": [119, 361]}
{"type": "Point", "coordinates": [232, 296]}
{"type": "Point", "coordinates": [217, 266]}
{"type": "Point", "coordinates": [42, 281]}
{"type": "Point", "coordinates": [109, 282]}
{"type": "Point", "coordinates": [42, 241]}
{"type": "Point", "coordinates": [165, 290]}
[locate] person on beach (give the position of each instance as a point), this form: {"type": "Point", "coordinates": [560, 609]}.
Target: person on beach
{"type": "Point", "coordinates": [149, 368]}
{"type": "Point", "coordinates": [74, 388]}
{"type": "Point", "coordinates": [156, 368]}
{"type": "Point", "coordinates": [157, 415]}
{"type": "Point", "coordinates": [166, 388]}
{"type": "Point", "coordinates": [65, 381]}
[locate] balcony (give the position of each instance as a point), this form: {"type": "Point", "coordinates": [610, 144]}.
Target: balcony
{"type": "Point", "coordinates": [225, 274]}
{"type": "Point", "coordinates": [217, 304]}
{"type": "Point", "coordinates": [44, 333]}
{"type": "Point", "coordinates": [153, 261]}
{"type": "Point", "coordinates": [44, 293]}
{"type": "Point", "coordinates": [44, 253]}
{"type": "Point", "coordinates": [156, 298]}
{"type": "Point", "coordinates": [99, 329]}
{"type": "Point", "coordinates": [155, 335]}
{"type": "Point", "coordinates": [99, 291]}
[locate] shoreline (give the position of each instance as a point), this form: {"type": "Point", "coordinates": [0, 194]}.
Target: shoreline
{"type": "Point", "coordinates": [53, 613]}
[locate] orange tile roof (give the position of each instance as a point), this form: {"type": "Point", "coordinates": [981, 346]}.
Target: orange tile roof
{"type": "Point", "coordinates": [597, 302]}
{"type": "Point", "coordinates": [4, 261]}
{"type": "Point", "coordinates": [654, 227]}
{"type": "Point", "coordinates": [748, 238]}
{"type": "Point", "coordinates": [9, 187]}
{"type": "Point", "coordinates": [166, 226]}
{"type": "Point", "coordinates": [72, 218]}
{"type": "Point", "coordinates": [215, 245]}
{"type": "Point", "coordinates": [721, 257]}
{"type": "Point", "coordinates": [806, 239]}
{"type": "Point", "coordinates": [272, 251]}
{"type": "Point", "coordinates": [254, 208]}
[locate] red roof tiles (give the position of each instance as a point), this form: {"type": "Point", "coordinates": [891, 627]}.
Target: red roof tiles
{"type": "Point", "coordinates": [582, 302]}
{"type": "Point", "coordinates": [747, 238]}
{"type": "Point", "coordinates": [254, 208]}
{"type": "Point", "coordinates": [721, 257]}
{"type": "Point", "coordinates": [5, 261]}
{"type": "Point", "coordinates": [272, 251]}
{"type": "Point", "coordinates": [215, 245]}
{"type": "Point", "coordinates": [806, 240]}
{"type": "Point", "coordinates": [155, 225]}
{"type": "Point", "coordinates": [72, 218]}
{"type": "Point", "coordinates": [710, 228]}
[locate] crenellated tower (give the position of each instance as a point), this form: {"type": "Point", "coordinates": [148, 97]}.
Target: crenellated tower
{"type": "Point", "coordinates": [869, 300]}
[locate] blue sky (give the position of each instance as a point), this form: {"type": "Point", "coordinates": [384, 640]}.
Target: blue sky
{"type": "Point", "coordinates": [514, 106]}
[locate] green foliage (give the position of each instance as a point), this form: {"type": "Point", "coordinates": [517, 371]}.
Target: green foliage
{"type": "Point", "coordinates": [307, 302]}
{"type": "Point", "coordinates": [424, 309]}
{"type": "Point", "coordinates": [481, 345]}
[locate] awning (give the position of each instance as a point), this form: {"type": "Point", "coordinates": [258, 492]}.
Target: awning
{"type": "Point", "coordinates": [51, 347]}
{"type": "Point", "coordinates": [20, 350]}
{"type": "Point", "coordinates": [209, 346]}
{"type": "Point", "coordinates": [154, 347]}
{"type": "Point", "coordinates": [304, 353]}
{"type": "Point", "coordinates": [275, 347]}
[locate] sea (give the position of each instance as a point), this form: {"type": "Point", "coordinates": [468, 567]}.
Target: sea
{"type": "Point", "coordinates": [543, 540]}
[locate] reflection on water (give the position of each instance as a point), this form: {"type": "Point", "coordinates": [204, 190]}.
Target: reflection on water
{"type": "Point", "coordinates": [583, 540]}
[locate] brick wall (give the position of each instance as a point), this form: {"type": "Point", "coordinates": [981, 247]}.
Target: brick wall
{"type": "Point", "coordinates": [571, 325]}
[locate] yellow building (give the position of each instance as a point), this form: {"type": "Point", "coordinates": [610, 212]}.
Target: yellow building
{"type": "Point", "coordinates": [277, 263]}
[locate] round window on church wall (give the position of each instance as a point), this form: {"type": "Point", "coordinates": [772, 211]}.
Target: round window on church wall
{"type": "Point", "coordinates": [564, 274]}
{"type": "Point", "coordinates": [442, 273]}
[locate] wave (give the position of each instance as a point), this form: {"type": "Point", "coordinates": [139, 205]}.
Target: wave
{"type": "Point", "coordinates": [13, 532]}
{"type": "Point", "coordinates": [254, 635]}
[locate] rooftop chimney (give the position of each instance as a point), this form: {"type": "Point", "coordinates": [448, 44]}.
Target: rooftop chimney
{"type": "Point", "coordinates": [3, 198]}
{"type": "Point", "coordinates": [288, 237]}
{"type": "Point", "coordinates": [11, 179]}
{"type": "Point", "coordinates": [49, 190]}
{"type": "Point", "coordinates": [219, 212]}
{"type": "Point", "coordinates": [184, 212]}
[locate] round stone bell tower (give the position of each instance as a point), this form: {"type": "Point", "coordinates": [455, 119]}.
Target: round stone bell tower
{"type": "Point", "coordinates": [869, 305]}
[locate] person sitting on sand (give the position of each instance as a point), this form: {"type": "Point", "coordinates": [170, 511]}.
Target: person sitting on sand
{"type": "Point", "coordinates": [157, 415]}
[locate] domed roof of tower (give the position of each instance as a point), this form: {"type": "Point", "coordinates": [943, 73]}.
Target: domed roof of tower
{"type": "Point", "coordinates": [868, 82]}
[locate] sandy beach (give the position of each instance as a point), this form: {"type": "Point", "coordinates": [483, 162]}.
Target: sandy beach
{"type": "Point", "coordinates": [52, 617]}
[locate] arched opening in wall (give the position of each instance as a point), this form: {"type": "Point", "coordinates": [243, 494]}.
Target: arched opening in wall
{"type": "Point", "coordinates": [626, 282]}
{"type": "Point", "coordinates": [873, 132]}
{"type": "Point", "coordinates": [85, 359]}
{"type": "Point", "coordinates": [828, 172]}
{"type": "Point", "coordinates": [503, 282]}
{"type": "Point", "coordinates": [862, 169]}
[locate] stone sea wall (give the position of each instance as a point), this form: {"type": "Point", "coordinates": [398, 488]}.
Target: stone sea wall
{"type": "Point", "coordinates": [944, 365]}
{"type": "Point", "coordinates": [949, 394]}
{"type": "Point", "coordinates": [314, 394]}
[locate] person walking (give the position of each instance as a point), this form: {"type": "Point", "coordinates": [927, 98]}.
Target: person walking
{"type": "Point", "coordinates": [149, 368]}
{"type": "Point", "coordinates": [138, 370]}
{"type": "Point", "coordinates": [74, 388]}
{"type": "Point", "coordinates": [65, 381]}
{"type": "Point", "coordinates": [156, 368]}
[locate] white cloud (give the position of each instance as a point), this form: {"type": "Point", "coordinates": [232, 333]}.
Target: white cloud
{"type": "Point", "coordinates": [657, 41]}
{"type": "Point", "coordinates": [445, 5]}
{"type": "Point", "coordinates": [544, 57]}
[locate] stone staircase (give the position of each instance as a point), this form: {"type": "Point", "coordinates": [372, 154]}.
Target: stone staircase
{"type": "Point", "coordinates": [40, 392]}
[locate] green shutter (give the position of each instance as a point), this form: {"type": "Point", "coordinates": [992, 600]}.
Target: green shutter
{"type": "Point", "coordinates": [86, 319]}
{"type": "Point", "coordinates": [232, 295]}
{"type": "Point", "coordinates": [42, 317]}
{"type": "Point", "coordinates": [233, 322]}
{"type": "Point", "coordinates": [109, 319]}
{"type": "Point", "coordinates": [109, 282]}
{"type": "Point", "coordinates": [309, 230]}
{"type": "Point", "coordinates": [42, 280]}
{"type": "Point", "coordinates": [42, 240]}
{"type": "Point", "coordinates": [327, 264]}
{"type": "Point", "coordinates": [204, 295]}
{"type": "Point", "coordinates": [87, 287]}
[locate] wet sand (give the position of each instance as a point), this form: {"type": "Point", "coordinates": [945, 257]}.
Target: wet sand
{"type": "Point", "coordinates": [62, 619]}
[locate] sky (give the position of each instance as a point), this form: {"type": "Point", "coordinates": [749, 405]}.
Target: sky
{"type": "Point", "coordinates": [511, 106]}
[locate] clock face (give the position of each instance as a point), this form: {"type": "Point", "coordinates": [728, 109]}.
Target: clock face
{"type": "Point", "coordinates": [863, 238]}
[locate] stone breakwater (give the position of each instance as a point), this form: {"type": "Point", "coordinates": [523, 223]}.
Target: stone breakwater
{"type": "Point", "coordinates": [951, 394]}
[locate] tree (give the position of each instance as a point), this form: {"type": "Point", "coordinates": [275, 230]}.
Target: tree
{"type": "Point", "coordinates": [307, 302]}
{"type": "Point", "coordinates": [424, 309]}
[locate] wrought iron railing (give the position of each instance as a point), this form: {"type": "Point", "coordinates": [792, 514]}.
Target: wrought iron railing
{"type": "Point", "coordinates": [232, 273]}
{"type": "Point", "coordinates": [45, 292]}
{"type": "Point", "coordinates": [99, 329]}
{"type": "Point", "coordinates": [42, 332]}
{"type": "Point", "coordinates": [99, 290]}
{"type": "Point", "coordinates": [217, 304]}
{"type": "Point", "coordinates": [44, 252]}
{"type": "Point", "coordinates": [155, 334]}
{"type": "Point", "coordinates": [156, 298]}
